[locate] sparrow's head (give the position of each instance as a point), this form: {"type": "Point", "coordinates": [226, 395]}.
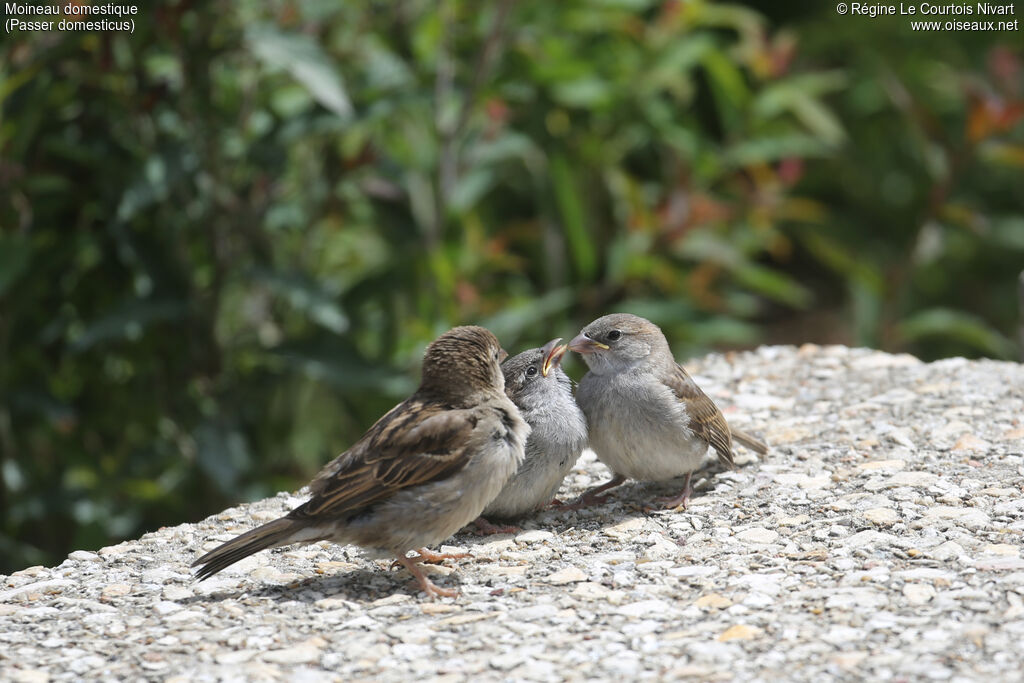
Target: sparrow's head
{"type": "Point", "coordinates": [619, 342]}
{"type": "Point", "coordinates": [535, 376]}
{"type": "Point", "coordinates": [462, 361]}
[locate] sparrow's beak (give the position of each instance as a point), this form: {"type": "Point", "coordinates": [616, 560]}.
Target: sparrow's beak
{"type": "Point", "coordinates": [581, 343]}
{"type": "Point", "coordinates": [502, 355]}
{"type": "Point", "coordinates": [552, 353]}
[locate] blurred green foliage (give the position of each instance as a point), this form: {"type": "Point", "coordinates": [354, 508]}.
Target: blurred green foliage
{"type": "Point", "coordinates": [227, 238]}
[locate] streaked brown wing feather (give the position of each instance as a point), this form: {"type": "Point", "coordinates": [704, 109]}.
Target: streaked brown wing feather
{"type": "Point", "coordinates": [415, 443]}
{"type": "Point", "coordinates": [706, 420]}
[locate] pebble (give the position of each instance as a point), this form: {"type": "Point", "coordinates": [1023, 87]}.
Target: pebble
{"type": "Point", "coordinates": [880, 533]}
{"type": "Point", "coordinates": [566, 575]}
{"type": "Point", "coordinates": [303, 653]}
{"type": "Point", "coordinates": [913, 479]}
{"type": "Point", "coordinates": [882, 516]}
{"type": "Point", "coordinates": [918, 593]}
{"type": "Point", "coordinates": [739, 632]}
{"type": "Point", "coordinates": [714, 601]}
{"type": "Point", "coordinates": [535, 536]}
{"type": "Point", "coordinates": [758, 535]}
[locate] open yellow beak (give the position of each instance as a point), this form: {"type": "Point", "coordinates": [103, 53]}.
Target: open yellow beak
{"type": "Point", "coordinates": [552, 354]}
{"type": "Point", "coordinates": [581, 343]}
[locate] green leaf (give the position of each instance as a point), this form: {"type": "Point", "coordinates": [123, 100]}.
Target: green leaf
{"type": "Point", "coordinates": [306, 295]}
{"type": "Point", "coordinates": [590, 92]}
{"type": "Point", "coordinates": [128, 321]}
{"type": "Point", "coordinates": [819, 120]}
{"type": "Point", "coordinates": [843, 260]}
{"type": "Point", "coordinates": [773, 285]}
{"type": "Point", "coordinates": [222, 453]}
{"type": "Point", "coordinates": [728, 85]}
{"type": "Point", "coordinates": [303, 58]}
{"type": "Point", "coordinates": [783, 95]}
{"type": "Point", "coordinates": [469, 189]}
{"type": "Point", "coordinates": [570, 206]}
{"type": "Point", "coordinates": [671, 69]}
{"type": "Point", "coordinates": [960, 326]}
{"type": "Point", "coordinates": [768, 149]}
{"type": "Point", "coordinates": [15, 255]}
{"type": "Point", "coordinates": [1004, 231]}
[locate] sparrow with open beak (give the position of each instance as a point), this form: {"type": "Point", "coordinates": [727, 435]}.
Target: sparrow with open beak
{"type": "Point", "coordinates": [648, 419]}
{"type": "Point", "coordinates": [421, 473]}
{"type": "Point", "coordinates": [536, 383]}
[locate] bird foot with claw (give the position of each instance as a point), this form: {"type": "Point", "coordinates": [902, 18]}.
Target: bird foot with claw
{"type": "Point", "coordinates": [674, 503]}
{"type": "Point", "coordinates": [423, 581]}
{"type": "Point", "coordinates": [433, 590]}
{"type": "Point", "coordinates": [431, 557]}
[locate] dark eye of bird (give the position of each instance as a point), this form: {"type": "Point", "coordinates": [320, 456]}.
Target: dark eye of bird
{"type": "Point", "coordinates": [531, 371]}
{"type": "Point", "coordinates": [614, 335]}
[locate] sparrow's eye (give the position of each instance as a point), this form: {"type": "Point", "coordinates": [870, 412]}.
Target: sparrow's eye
{"type": "Point", "coordinates": [614, 335]}
{"type": "Point", "coordinates": [531, 371]}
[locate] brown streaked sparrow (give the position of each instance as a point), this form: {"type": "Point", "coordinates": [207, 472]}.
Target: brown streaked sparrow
{"type": "Point", "coordinates": [422, 472]}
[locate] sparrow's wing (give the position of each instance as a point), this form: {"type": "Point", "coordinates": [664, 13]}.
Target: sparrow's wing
{"type": "Point", "coordinates": [414, 444]}
{"type": "Point", "coordinates": [706, 420]}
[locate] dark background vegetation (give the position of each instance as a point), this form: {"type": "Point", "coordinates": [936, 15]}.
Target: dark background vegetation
{"type": "Point", "coordinates": [226, 239]}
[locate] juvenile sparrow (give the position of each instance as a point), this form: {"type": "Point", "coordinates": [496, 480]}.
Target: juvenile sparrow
{"type": "Point", "coordinates": [421, 473]}
{"type": "Point", "coordinates": [648, 419]}
{"type": "Point", "coordinates": [536, 383]}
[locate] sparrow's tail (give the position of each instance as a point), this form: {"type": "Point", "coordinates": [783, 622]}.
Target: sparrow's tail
{"type": "Point", "coordinates": [272, 534]}
{"type": "Point", "coordinates": [750, 442]}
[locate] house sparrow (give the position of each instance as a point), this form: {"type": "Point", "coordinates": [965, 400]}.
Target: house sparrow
{"type": "Point", "coordinates": [648, 419]}
{"type": "Point", "coordinates": [542, 391]}
{"type": "Point", "coordinates": [421, 473]}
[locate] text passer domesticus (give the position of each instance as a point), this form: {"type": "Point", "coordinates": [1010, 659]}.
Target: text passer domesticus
{"type": "Point", "coordinates": [536, 383]}
{"type": "Point", "coordinates": [648, 419]}
{"type": "Point", "coordinates": [421, 473]}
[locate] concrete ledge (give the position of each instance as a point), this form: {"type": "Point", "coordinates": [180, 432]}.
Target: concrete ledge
{"type": "Point", "coordinates": [881, 537]}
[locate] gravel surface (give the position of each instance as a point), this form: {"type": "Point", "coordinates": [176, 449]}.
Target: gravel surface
{"type": "Point", "coordinates": [880, 537]}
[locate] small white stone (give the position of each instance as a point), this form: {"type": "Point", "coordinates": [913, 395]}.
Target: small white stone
{"type": "Point", "coordinates": [534, 536]}
{"type": "Point", "coordinates": [166, 607]}
{"type": "Point", "coordinates": [912, 479]}
{"type": "Point", "coordinates": [918, 593]}
{"type": "Point", "coordinates": [566, 575]}
{"type": "Point", "coordinates": [758, 535]}
{"type": "Point", "coordinates": [758, 601]}
{"type": "Point", "coordinates": [1004, 549]}
{"type": "Point", "coordinates": [946, 551]}
{"type": "Point", "coordinates": [27, 675]}
{"type": "Point", "coordinates": [882, 516]}
{"type": "Point", "coordinates": [882, 465]}
{"type": "Point", "coordinates": [625, 529]}
{"type": "Point", "coordinates": [543, 611]}
{"type": "Point", "coordinates": [176, 593]}
{"type": "Point", "coordinates": [84, 556]}
{"type": "Point", "coordinates": [303, 653]}
{"type": "Point", "coordinates": [971, 518]}
{"type": "Point", "coordinates": [761, 583]}
{"type": "Point", "coordinates": [505, 662]}
{"type": "Point", "coordinates": [184, 615]}
{"type": "Point", "coordinates": [235, 656]}
{"type": "Point", "coordinates": [654, 609]}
